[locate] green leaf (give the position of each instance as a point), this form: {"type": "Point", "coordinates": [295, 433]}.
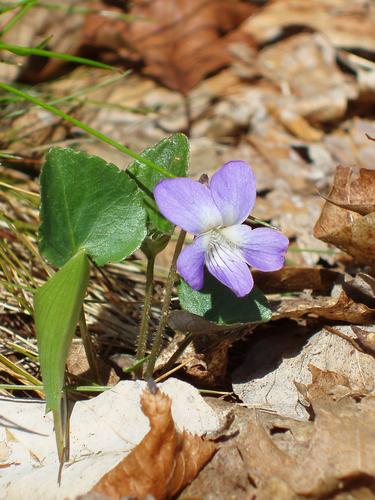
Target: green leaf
{"type": "Point", "coordinates": [57, 306]}
{"type": "Point", "coordinates": [217, 303]}
{"type": "Point", "coordinates": [172, 154]}
{"type": "Point", "coordinates": [90, 205]}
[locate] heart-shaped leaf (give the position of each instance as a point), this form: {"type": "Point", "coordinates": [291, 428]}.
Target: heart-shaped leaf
{"type": "Point", "coordinates": [172, 154]}
{"type": "Point", "coordinates": [90, 205]}
{"type": "Point", "coordinates": [215, 302]}
{"type": "Point", "coordinates": [57, 307]}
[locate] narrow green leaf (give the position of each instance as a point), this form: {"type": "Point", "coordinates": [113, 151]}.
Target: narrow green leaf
{"type": "Point", "coordinates": [30, 51]}
{"type": "Point", "coordinates": [172, 154]}
{"type": "Point", "coordinates": [83, 126]}
{"type": "Point", "coordinates": [90, 205]}
{"type": "Point", "coordinates": [57, 306]}
{"type": "Point", "coordinates": [216, 303]}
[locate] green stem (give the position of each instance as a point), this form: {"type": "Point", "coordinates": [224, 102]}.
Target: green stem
{"type": "Point", "coordinates": [165, 309]}
{"type": "Point", "coordinates": [29, 51]}
{"type": "Point", "coordinates": [89, 347]}
{"type": "Point", "coordinates": [86, 128]}
{"type": "Point", "coordinates": [23, 10]}
{"type": "Point", "coordinates": [143, 332]}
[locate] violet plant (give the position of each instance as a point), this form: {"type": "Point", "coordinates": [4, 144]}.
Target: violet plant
{"type": "Point", "coordinates": [92, 212]}
{"type": "Point", "coordinates": [214, 213]}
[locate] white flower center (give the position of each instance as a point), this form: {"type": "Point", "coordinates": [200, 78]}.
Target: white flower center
{"type": "Point", "coordinates": [217, 241]}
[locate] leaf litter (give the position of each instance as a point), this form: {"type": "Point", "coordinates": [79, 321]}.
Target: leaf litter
{"type": "Point", "coordinates": [260, 92]}
{"type": "Point", "coordinates": [103, 431]}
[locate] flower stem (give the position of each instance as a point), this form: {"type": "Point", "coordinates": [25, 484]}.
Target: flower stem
{"type": "Point", "coordinates": [165, 309]}
{"type": "Point", "coordinates": [143, 332]}
{"type": "Point", "coordinates": [89, 347]}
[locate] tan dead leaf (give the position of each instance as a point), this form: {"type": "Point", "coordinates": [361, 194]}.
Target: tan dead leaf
{"type": "Point", "coordinates": [365, 339]}
{"type": "Point", "coordinates": [179, 41]}
{"type": "Point", "coordinates": [78, 368]}
{"type": "Point", "coordinates": [361, 288]}
{"type": "Point", "coordinates": [163, 462]}
{"type": "Point", "coordinates": [335, 308]}
{"type": "Point", "coordinates": [326, 387]}
{"type": "Point", "coordinates": [279, 358]}
{"type": "Point", "coordinates": [299, 66]}
{"type": "Point", "coordinates": [341, 222]}
{"type": "Point", "coordinates": [345, 24]}
{"type": "Point", "coordinates": [205, 358]}
{"type": "Point", "coordinates": [295, 279]}
{"type": "Point", "coordinates": [337, 456]}
{"type": "Point", "coordinates": [297, 125]}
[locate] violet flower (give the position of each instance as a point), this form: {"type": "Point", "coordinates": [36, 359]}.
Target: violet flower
{"type": "Point", "coordinates": [214, 214]}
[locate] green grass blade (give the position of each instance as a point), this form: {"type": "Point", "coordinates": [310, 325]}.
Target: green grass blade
{"type": "Point", "coordinates": [57, 308]}
{"type": "Point", "coordinates": [86, 128]}
{"type": "Point", "coordinates": [18, 16]}
{"type": "Point", "coordinates": [30, 51]}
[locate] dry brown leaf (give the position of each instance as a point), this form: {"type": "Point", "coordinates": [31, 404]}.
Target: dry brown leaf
{"type": "Point", "coordinates": [163, 462]}
{"type": "Point", "coordinates": [299, 65]}
{"type": "Point", "coordinates": [341, 308]}
{"type": "Point", "coordinates": [361, 289]}
{"type": "Point", "coordinates": [267, 456]}
{"type": "Point", "coordinates": [205, 359]}
{"type": "Point", "coordinates": [338, 457]}
{"type": "Point", "coordinates": [341, 222]}
{"type": "Point", "coordinates": [279, 357]}
{"type": "Point", "coordinates": [345, 24]}
{"type": "Point", "coordinates": [78, 368]}
{"type": "Point", "coordinates": [365, 339]}
{"type": "Point", "coordinates": [295, 279]}
{"type": "Point", "coordinates": [178, 41]}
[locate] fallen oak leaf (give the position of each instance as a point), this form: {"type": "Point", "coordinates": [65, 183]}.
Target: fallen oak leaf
{"type": "Point", "coordinates": [162, 463]}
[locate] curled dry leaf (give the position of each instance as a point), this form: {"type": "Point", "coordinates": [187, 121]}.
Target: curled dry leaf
{"type": "Point", "coordinates": [163, 462]}
{"type": "Point", "coordinates": [179, 41]}
{"type": "Point", "coordinates": [348, 218]}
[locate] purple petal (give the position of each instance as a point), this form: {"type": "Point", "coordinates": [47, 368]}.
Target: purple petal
{"type": "Point", "coordinates": [229, 268]}
{"type": "Point", "coordinates": [187, 204]}
{"type": "Point", "coordinates": [233, 190]}
{"type": "Point", "coordinates": [262, 248]}
{"type": "Point", "coordinates": [190, 263]}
